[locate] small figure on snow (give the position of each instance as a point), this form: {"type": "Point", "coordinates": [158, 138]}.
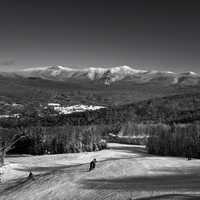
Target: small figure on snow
{"type": "Point", "coordinates": [189, 153]}
{"type": "Point", "coordinates": [30, 176]}
{"type": "Point", "coordinates": [92, 164]}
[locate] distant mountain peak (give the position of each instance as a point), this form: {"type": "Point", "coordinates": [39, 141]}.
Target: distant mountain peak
{"type": "Point", "coordinates": [59, 67]}
{"type": "Point", "coordinates": [126, 69]}
{"type": "Point", "coordinates": [193, 73]}
{"type": "Point", "coordinates": [56, 67]}
{"type": "Point", "coordinates": [52, 68]}
{"type": "Point", "coordinates": [109, 75]}
{"type": "Point", "coordinates": [32, 69]}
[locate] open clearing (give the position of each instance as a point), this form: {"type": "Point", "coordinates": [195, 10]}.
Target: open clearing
{"type": "Point", "coordinates": [122, 172]}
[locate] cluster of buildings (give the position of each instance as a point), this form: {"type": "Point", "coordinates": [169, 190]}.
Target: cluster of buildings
{"type": "Point", "coordinates": [8, 110]}
{"type": "Point", "coordinates": [71, 109]}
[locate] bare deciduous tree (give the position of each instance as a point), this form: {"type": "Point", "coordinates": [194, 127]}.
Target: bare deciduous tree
{"type": "Point", "coordinates": [8, 138]}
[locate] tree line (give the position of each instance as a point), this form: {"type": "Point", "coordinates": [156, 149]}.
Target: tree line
{"type": "Point", "coordinates": [83, 131]}
{"type": "Point", "coordinates": [40, 140]}
{"type": "Point", "coordinates": [175, 140]}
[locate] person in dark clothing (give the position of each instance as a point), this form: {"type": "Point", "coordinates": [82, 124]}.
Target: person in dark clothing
{"type": "Point", "coordinates": [92, 164]}
{"type": "Point", "coordinates": [189, 153]}
{"type": "Point", "coordinates": [30, 176]}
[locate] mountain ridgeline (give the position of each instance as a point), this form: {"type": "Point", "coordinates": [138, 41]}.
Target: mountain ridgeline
{"type": "Point", "coordinates": [108, 76]}
{"type": "Point", "coordinates": [93, 86]}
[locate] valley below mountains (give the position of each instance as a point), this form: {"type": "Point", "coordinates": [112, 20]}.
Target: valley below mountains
{"type": "Point", "coordinates": [93, 86]}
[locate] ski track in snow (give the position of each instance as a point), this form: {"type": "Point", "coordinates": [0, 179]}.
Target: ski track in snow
{"type": "Point", "coordinates": [122, 172]}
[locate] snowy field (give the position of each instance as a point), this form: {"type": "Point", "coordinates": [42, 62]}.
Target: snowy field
{"type": "Point", "coordinates": [123, 172]}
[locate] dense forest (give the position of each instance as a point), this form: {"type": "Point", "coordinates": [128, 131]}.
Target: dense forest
{"type": "Point", "coordinates": [169, 110]}
{"type": "Point", "coordinates": [68, 139]}
{"type": "Point", "coordinates": [132, 123]}
{"type": "Point", "coordinates": [40, 140]}
{"type": "Point", "coordinates": [175, 140]}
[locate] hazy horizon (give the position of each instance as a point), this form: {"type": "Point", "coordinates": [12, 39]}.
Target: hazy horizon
{"type": "Point", "coordinates": [137, 67]}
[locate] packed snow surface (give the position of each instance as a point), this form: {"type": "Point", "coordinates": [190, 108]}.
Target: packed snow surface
{"type": "Point", "coordinates": [122, 172]}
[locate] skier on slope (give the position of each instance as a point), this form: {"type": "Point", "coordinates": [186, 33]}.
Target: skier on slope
{"type": "Point", "coordinates": [92, 164]}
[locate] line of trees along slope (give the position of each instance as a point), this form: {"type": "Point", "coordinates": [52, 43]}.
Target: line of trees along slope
{"type": "Point", "coordinates": [39, 140]}
{"type": "Point", "coordinates": [8, 138]}
{"type": "Point", "coordinates": [67, 129]}
{"type": "Point", "coordinates": [176, 140]}
{"type": "Point", "coordinates": [60, 139]}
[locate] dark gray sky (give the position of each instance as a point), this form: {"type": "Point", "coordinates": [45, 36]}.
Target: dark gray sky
{"type": "Point", "coordinates": [161, 35]}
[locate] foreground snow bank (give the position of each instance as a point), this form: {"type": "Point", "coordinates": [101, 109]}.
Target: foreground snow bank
{"type": "Point", "coordinates": [8, 172]}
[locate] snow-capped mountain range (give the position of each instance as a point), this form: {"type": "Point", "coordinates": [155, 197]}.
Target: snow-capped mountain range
{"type": "Point", "coordinates": [108, 75]}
